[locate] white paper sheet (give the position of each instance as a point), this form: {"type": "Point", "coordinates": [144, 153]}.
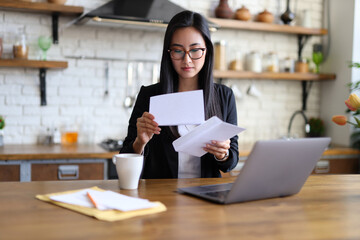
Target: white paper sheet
{"type": "Point", "coordinates": [78, 198]}
{"type": "Point", "coordinates": [178, 108]}
{"type": "Point", "coordinates": [104, 200]}
{"type": "Point", "coordinates": [113, 200]}
{"type": "Point", "coordinates": [213, 129]}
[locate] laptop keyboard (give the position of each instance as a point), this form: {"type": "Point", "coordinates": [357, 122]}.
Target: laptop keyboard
{"type": "Point", "coordinates": [217, 194]}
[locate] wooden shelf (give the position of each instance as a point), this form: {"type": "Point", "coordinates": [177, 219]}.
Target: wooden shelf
{"type": "Point", "coordinates": [41, 65]}
{"type": "Point", "coordinates": [273, 76]}
{"type": "Point", "coordinates": [43, 7]}
{"type": "Point", "coordinates": [266, 27]}
{"type": "Point", "coordinates": [40, 7]}
{"type": "Point", "coordinates": [32, 63]}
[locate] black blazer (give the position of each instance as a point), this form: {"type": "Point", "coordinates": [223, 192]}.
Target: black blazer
{"type": "Point", "coordinates": [161, 160]}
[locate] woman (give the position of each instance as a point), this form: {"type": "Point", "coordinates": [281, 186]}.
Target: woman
{"type": "Point", "coordinates": [186, 65]}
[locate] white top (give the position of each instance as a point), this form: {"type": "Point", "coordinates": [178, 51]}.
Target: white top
{"type": "Point", "coordinates": [189, 166]}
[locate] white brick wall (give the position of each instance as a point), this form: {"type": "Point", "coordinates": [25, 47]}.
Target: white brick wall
{"type": "Point", "coordinates": [76, 95]}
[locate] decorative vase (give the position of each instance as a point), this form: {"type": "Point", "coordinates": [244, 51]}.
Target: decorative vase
{"type": "Point", "coordinates": [223, 10]}
{"type": "Point", "coordinates": [265, 16]}
{"type": "Point", "coordinates": [287, 16]}
{"type": "Point", "coordinates": [243, 14]}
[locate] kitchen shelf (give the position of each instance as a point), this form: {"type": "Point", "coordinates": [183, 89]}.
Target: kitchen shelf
{"type": "Point", "coordinates": [42, 65]}
{"type": "Point", "coordinates": [42, 7]}
{"type": "Point", "coordinates": [275, 76]}
{"type": "Point", "coordinates": [266, 27]}
{"type": "Point", "coordinates": [32, 63]}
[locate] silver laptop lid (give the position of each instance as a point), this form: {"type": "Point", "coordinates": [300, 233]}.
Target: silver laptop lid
{"type": "Point", "coordinates": [277, 168]}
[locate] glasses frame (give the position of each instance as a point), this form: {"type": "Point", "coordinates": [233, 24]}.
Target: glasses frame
{"type": "Point", "coordinates": [188, 53]}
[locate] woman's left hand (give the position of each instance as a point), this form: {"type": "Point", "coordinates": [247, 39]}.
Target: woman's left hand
{"type": "Point", "coordinates": [218, 148]}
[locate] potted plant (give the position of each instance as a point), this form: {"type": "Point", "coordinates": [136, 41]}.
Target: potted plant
{"type": "Point", "coordinates": [317, 127]}
{"type": "Point", "coordinates": [353, 105]}
{"type": "Point", "coordinates": [2, 125]}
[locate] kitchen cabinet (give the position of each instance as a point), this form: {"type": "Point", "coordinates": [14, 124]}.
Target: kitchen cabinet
{"type": "Point", "coordinates": [337, 166]}
{"type": "Point", "coordinates": [72, 170]}
{"type": "Point", "coordinates": [54, 170]}
{"type": "Point", "coordinates": [53, 162]}
{"type": "Point", "coordinates": [10, 172]}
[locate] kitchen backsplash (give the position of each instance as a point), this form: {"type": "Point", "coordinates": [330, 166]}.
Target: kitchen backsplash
{"type": "Point", "coordinates": [76, 95]}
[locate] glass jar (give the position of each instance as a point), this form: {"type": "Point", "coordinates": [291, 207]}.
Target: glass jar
{"type": "Point", "coordinates": [69, 134]}
{"type": "Point", "coordinates": [253, 62]}
{"type": "Point", "coordinates": [271, 62]}
{"type": "Point", "coordinates": [289, 65]}
{"type": "Point", "coordinates": [20, 47]}
{"type": "Point", "coordinates": [237, 63]}
{"type": "Point", "coordinates": [220, 55]}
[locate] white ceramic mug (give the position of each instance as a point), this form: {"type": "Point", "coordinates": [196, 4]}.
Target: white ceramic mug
{"type": "Point", "coordinates": [128, 168]}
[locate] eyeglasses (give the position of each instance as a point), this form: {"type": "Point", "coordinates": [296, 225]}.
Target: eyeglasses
{"type": "Point", "coordinates": [194, 54]}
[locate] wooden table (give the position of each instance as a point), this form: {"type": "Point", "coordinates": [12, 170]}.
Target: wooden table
{"type": "Point", "coordinates": [328, 207]}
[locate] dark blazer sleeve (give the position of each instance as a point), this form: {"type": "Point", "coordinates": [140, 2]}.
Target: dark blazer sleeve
{"type": "Point", "coordinates": [141, 106]}
{"type": "Point", "coordinates": [229, 115]}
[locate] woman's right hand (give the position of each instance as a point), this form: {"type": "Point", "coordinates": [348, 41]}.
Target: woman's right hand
{"type": "Point", "coordinates": [146, 128]}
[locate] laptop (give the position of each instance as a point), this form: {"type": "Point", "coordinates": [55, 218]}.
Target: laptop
{"type": "Point", "coordinates": [274, 168]}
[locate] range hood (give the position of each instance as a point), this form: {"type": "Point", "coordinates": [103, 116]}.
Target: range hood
{"type": "Point", "coordinates": [143, 14]}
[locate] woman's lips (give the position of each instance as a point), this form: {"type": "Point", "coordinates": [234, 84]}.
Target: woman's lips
{"type": "Point", "coordinates": [187, 68]}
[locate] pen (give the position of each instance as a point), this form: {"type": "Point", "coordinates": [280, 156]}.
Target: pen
{"type": "Point", "coordinates": [91, 199]}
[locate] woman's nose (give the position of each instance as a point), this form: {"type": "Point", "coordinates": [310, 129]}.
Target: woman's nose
{"type": "Point", "coordinates": [187, 58]}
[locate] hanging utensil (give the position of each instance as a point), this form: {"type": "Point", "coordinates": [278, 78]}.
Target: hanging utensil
{"type": "Point", "coordinates": [106, 92]}
{"type": "Point", "coordinates": [140, 68]}
{"type": "Point", "coordinates": [129, 100]}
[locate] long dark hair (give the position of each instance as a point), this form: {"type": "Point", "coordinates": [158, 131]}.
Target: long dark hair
{"type": "Point", "coordinates": [168, 76]}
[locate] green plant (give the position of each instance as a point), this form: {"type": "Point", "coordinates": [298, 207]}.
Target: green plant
{"type": "Point", "coordinates": [2, 122]}
{"type": "Point", "coordinates": [317, 127]}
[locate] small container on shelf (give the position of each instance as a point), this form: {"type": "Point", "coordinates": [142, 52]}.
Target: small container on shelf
{"type": "Point", "coordinates": [220, 55]}
{"type": "Point", "coordinates": [237, 63]}
{"type": "Point", "coordinates": [287, 65]}
{"type": "Point", "coordinates": [243, 14]}
{"type": "Point", "coordinates": [265, 17]}
{"type": "Point", "coordinates": [223, 10]}
{"type": "Point", "coordinates": [20, 47]}
{"type": "Point", "coordinates": [253, 62]}
{"type": "Point", "coordinates": [302, 66]}
{"type": "Point", "coordinates": [271, 62]}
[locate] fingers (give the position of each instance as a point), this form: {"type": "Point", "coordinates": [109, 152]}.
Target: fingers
{"type": "Point", "coordinates": [147, 124]}
{"type": "Point", "coordinates": [218, 148]}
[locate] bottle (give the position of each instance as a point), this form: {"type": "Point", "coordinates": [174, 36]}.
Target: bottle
{"type": "Point", "coordinates": [220, 55]}
{"type": "Point", "coordinates": [20, 47]}
{"type": "Point", "coordinates": [56, 136]}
